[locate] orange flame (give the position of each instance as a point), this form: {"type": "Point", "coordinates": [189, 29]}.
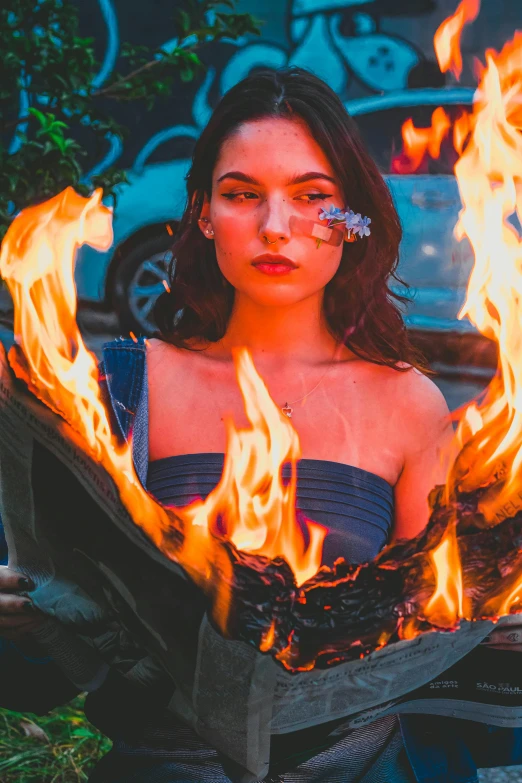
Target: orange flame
{"type": "Point", "coordinates": [419, 142]}
{"type": "Point", "coordinates": [461, 131]}
{"type": "Point", "coordinates": [445, 606]}
{"type": "Point", "coordinates": [447, 37]}
{"type": "Point", "coordinates": [489, 175]}
{"type": "Point", "coordinates": [257, 511]}
{"type": "Point", "coordinates": [268, 638]}
{"type": "Point", "coordinates": [251, 506]}
{"type": "Point", "coordinates": [37, 263]}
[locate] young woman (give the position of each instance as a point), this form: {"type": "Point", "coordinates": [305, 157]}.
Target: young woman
{"type": "Point", "coordinates": [327, 337]}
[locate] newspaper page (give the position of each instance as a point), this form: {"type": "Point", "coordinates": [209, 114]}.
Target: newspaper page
{"type": "Point", "coordinates": [114, 601]}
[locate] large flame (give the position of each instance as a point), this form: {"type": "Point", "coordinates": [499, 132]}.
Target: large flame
{"type": "Point", "coordinates": [252, 506]}
{"type": "Point", "coordinates": [489, 175]}
{"type": "Point", "coordinates": [257, 511]}
{"type": "Point", "coordinates": [447, 38]}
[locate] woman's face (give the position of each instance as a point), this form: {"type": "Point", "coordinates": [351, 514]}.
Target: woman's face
{"type": "Point", "coordinates": [268, 172]}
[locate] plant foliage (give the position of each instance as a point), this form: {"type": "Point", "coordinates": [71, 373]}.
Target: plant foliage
{"type": "Point", "coordinates": [51, 110]}
{"type": "Point", "coordinates": [61, 747]}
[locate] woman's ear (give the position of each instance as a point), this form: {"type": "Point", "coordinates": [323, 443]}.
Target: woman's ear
{"type": "Point", "coordinates": [204, 219]}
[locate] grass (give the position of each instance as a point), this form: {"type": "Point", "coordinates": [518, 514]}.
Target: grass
{"type": "Point", "coordinates": [60, 747]}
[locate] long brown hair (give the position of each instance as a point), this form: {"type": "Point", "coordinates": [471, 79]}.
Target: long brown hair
{"type": "Point", "coordinates": [360, 308]}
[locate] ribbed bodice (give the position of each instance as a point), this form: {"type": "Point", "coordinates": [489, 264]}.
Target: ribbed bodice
{"type": "Point", "coordinates": [355, 505]}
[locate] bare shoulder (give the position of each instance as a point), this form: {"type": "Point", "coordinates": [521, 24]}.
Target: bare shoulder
{"type": "Point", "coordinates": [409, 390]}
{"type": "Point", "coordinates": [422, 408]}
{"type": "Point", "coordinates": [159, 353]}
{"type": "Point", "coordinates": [167, 370]}
{"type": "Point", "coordinates": [157, 348]}
{"type": "Point", "coordinates": [421, 394]}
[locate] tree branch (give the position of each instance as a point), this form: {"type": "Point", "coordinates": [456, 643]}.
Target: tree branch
{"type": "Point", "coordinates": [125, 79]}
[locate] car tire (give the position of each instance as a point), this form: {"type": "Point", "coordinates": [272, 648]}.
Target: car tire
{"type": "Point", "coordinates": [138, 282]}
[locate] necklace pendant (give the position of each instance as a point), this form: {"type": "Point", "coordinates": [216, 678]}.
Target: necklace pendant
{"type": "Point", "coordinates": [287, 410]}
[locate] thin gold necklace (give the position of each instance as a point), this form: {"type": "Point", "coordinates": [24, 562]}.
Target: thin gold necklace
{"type": "Point", "coordinates": [287, 409]}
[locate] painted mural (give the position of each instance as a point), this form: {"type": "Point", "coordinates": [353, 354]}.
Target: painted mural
{"type": "Point", "coordinates": [360, 47]}
{"type": "Point", "coordinates": [376, 54]}
{"type": "Point", "coordinates": [345, 42]}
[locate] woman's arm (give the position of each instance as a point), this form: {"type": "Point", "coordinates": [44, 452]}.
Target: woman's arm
{"type": "Point", "coordinates": [429, 448]}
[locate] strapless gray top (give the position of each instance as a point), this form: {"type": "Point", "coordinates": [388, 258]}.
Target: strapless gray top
{"type": "Point", "coordinates": [355, 505]}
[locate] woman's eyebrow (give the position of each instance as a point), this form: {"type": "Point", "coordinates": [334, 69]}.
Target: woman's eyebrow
{"type": "Point", "coordinates": [297, 180]}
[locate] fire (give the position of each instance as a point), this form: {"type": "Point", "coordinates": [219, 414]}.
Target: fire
{"type": "Point", "coordinates": [489, 175]}
{"type": "Point", "coordinates": [461, 131]}
{"type": "Point", "coordinates": [257, 512]}
{"type": "Point", "coordinates": [447, 37]}
{"type": "Point", "coordinates": [268, 638]}
{"type": "Point", "coordinates": [445, 606]}
{"type": "Point", "coordinates": [419, 142]}
{"type": "Point", "coordinates": [251, 507]}
{"type": "Point", "coordinates": [37, 263]}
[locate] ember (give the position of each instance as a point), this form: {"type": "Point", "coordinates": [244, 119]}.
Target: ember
{"type": "Point", "coordinates": [244, 545]}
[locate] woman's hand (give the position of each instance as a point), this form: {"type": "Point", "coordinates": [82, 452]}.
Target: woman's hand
{"type": "Point", "coordinates": [18, 615]}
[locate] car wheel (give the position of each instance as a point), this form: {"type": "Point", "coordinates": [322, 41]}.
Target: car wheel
{"type": "Point", "coordinates": [138, 281]}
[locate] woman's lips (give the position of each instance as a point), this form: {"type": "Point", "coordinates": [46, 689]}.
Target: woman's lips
{"type": "Point", "coordinates": [274, 264]}
{"type": "Point", "coordinates": [274, 269]}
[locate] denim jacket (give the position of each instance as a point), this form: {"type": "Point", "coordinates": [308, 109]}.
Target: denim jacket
{"type": "Point", "coordinates": [440, 750]}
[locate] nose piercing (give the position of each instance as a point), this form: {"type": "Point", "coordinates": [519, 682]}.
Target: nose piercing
{"type": "Point", "coordinates": [268, 240]}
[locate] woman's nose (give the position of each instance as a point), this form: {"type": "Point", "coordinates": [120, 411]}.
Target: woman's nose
{"type": "Point", "coordinates": [275, 225]}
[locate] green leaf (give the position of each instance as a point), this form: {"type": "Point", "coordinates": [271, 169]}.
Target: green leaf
{"type": "Point", "coordinates": [83, 732]}
{"type": "Point", "coordinates": [58, 140]}
{"type": "Point", "coordinates": [40, 116]}
{"type": "Point", "coordinates": [58, 124]}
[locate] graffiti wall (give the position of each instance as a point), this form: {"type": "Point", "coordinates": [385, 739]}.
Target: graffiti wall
{"type": "Point", "coordinates": [376, 54]}
{"type": "Point", "coordinates": [360, 47]}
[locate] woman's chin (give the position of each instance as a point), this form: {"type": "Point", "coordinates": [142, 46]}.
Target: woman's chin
{"type": "Point", "coordinates": [276, 296]}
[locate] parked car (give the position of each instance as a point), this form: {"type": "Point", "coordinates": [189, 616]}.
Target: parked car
{"type": "Point", "coordinates": [129, 277]}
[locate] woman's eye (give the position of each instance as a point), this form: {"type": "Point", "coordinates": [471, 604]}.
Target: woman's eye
{"type": "Point", "coordinates": [316, 196]}
{"type": "Point", "coordinates": [246, 195]}
{"type": "Point", "coordinates": [235, 196]}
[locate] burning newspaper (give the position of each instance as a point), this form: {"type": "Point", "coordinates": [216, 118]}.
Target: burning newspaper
{"type": "Point", "coordinates": [114, 600]}
{"type": "Point", "coordinates": [224, 599]}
